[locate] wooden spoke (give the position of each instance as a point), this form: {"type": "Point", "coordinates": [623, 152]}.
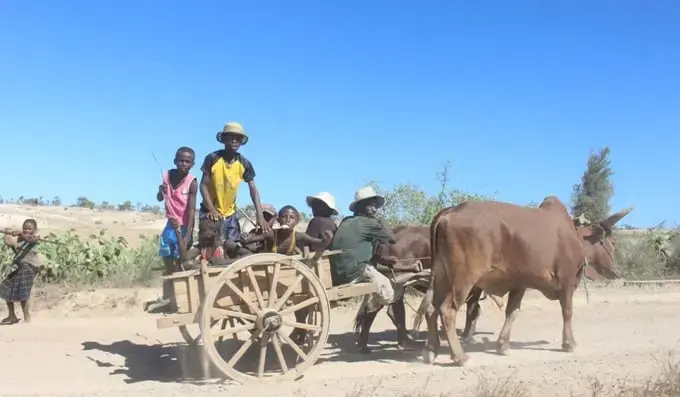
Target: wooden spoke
{"type": "Point", "coordinates": [289, 292]}
{"type": "Point", "coordinates": [263, 356]}
{"type": "Point", "coordinates": [224, 325]}
{"type": "Point", "coordinates": [308, 327]}
{"type": "Point", "coordinates": [256, 288]}
{"type": "Point", "coordinates": [275, 283]}
{"type": "Point", "coordinates": [234, 330]}
{"type": "Point", "coordinates": [292, 344]}
{"type": "Point", "coordinates": [240, 352]}
{"type": "Point", "coordinates": [224, 313]}
{"type": "Point", "coordinates": [279, 353]}
{"type": "Point", "coordinates": [241, 295]}
{"type": "Point", "coordinates": [306, 303]}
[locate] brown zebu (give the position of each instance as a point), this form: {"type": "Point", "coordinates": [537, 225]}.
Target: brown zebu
{"type": "Point", "coordinates": [503, 248]}
{"type": "Point", "coordinates": [413, 242]}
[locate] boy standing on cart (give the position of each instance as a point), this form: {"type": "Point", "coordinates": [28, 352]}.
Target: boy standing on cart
{"type": "Point", "coordinates": [223, 170]}
{"type": "Point", "coordinates": [179, 191]}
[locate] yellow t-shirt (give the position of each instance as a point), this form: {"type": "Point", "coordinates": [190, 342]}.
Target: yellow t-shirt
{"type": "Point", "coordinates": [226, 178]}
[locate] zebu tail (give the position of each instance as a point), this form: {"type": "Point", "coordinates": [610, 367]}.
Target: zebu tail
{"type": "Point", "coordinates": [426, 305]}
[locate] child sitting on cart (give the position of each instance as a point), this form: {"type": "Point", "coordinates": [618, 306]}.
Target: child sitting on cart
{"type": "Point", "coordinates": [269, 214]}
{"type": "Point", "coordinates": [285, 239]}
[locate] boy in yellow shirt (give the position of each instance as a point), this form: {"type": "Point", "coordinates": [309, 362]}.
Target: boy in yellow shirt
{"type": "Point", "coordinates": [223, 171]}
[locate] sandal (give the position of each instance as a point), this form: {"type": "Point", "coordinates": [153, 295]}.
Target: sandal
{"type": "Point", "coordinates": [9, 321]}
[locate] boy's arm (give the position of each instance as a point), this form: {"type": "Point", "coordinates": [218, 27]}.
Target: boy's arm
{"type": "Point", "coordinates": [191, 212]}
{"type": "Point", "coordinates": [206, 181]}
{"type": "Point", "coordinates": [162, 188]}
{"type": "Point", "coordinates": [249, 177]}
{"type": "Point", "coordinates": [254, 238]}
{"type": "Point", "coordinates": [306, 240]}
{"type": "Point", "coordinates": [10, 240]}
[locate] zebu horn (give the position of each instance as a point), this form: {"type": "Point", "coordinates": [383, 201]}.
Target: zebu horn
{"type": "Point", "coordinates": [610, 221]}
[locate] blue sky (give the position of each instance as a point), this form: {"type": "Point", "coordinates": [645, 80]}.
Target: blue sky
{"type": "Point", "coordinates": [336, 93]}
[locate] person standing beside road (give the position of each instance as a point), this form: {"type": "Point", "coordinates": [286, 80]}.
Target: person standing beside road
{"type": "Point", "coordinates": [223, 170]}
{"type": "Point", "coordinates": [17, 285]}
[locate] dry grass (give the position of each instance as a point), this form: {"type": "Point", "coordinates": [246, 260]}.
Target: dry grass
{"type": "Point", "coordinates": [503, 387]}
{"type": "Point", "coordinates": [665, 384]}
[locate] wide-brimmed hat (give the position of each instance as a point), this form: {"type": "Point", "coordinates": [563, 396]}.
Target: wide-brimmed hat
{"type": "Point", "coordinates": [233, 127]}
{"type": "Point", "coordinates": [366, 193]}
{"type": "Point", "coordinates": [324, 197]}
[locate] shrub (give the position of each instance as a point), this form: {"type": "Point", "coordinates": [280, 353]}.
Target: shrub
{"type": "Point", "coordinates": [100, 260]}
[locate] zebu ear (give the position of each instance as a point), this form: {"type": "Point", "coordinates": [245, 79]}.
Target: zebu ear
{"type": "Point", "coordinates": [598, 231]}
{"type": "Point", "coordinates": [611, 221]}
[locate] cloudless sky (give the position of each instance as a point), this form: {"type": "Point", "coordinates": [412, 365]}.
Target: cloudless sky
{"type": "Point", "coordinates": [515, 94]}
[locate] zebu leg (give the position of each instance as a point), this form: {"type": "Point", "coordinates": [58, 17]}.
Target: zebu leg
{"type": "Point", "coordinates": [472, 314]}
{"type": "Point", "coordinates": [432, 344]}
{"type": "Point", "coordinates": [449, 309]}
{"type": "Point", "coordinates": [566, 301]}
{"type": "Point", "coordinates": [511, 311]}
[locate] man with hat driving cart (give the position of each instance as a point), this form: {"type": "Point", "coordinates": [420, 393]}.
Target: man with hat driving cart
{"type": "Point", "coordinates": [356, 235]}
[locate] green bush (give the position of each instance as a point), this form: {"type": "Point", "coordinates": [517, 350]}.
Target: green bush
{"type": "Point", "coordinates": [654, 253]}
{"type": "Point", "coordinates": [100, 260]}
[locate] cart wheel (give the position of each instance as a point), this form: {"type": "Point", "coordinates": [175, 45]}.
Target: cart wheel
{"type": "Point", "coordinates": [189, 337]}
{"type": "Point", "coordinates": [267, 321]}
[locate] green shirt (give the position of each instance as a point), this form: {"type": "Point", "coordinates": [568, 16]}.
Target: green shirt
{"type": "Point", "coordinates": [355, 235]}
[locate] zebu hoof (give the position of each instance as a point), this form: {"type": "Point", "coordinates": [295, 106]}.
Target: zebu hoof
{"type": "Point", "coordinates": [568, 347]}
{"type": "Point", "coordinates": [468, 339]}
{"type": "Point", "coordinates": [503, 349]}
{"type": "Point", "coordinates": [429, 356]}
{"type": "Point", "coordinates": [460, 361]}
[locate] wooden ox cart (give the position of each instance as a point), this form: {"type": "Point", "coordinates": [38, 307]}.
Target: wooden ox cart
{"type": "Point", "coordinates": [251, 304]}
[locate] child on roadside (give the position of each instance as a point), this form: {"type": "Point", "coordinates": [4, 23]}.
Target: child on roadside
{"type": "Point", "coordinates": [179, 190]}
{"type": "Point", "coordinates": [17, 286]}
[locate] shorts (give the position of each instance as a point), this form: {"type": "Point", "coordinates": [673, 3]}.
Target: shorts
{"type": "Point", "coordinates": [223, 229]}
{"type": "Point", "coordinates": [168, 241]}
{"type": "Point", "coordinates": [387, 291]}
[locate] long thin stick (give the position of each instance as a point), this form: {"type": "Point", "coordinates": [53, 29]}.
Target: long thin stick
{"type": "Point", "coordinates": [245, 215]}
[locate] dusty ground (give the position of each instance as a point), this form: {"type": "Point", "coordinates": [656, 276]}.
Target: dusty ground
{"type": "Point", "coordinates": [100, 343]}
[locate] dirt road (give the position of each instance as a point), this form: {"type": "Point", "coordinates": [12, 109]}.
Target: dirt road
{"type": "Point", "coordinates": [621, 333]}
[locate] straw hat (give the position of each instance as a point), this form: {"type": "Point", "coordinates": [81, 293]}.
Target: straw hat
{"type": "Point", "coordinates": [366, 193]}
{"type": "Point", "coordinates": [233, 127]}
{"type": "Point", "coordinates": [324, 197]}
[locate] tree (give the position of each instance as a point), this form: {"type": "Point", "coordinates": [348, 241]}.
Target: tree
{"type": "Point", "coordinates": [84, 202]}
{"type": "Point", "coordinates": [591, 197]}
{"type": "Point", "coordinates": [409, 204]}
{"type": "Point", "coordinates": [126, 206]}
